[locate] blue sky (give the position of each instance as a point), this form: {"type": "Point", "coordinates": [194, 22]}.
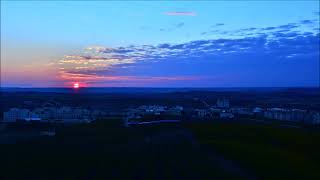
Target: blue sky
{"type": "Point", "coordinates": [160, 44]}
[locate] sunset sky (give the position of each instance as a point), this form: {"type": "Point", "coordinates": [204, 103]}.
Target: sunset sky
{"type": "Point", "coordinates": [159, 44]}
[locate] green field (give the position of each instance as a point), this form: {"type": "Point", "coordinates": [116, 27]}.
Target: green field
{"type": "Point", "coordinates": [104, 150]}
{"type": "Point", "coordinates": [268, 152]}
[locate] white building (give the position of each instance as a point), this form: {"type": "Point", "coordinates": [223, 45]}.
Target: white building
{"type": "Point", "coordinates": [175, 111]}
{"type": "Point", "coordinates": [202, 113]}
{"type": "Point", "coordinates": [316, 118]}
{"type": "Point", "coordinates": [69, 114]}
{"type": "Point", "coordinates": [64, 114]}
{"type": "Point", "coordinates": [242, 111]}
{"type": "Point", "coordinates": [15, 114]}
{"type": "Point", "coordinates": [257, 110]}
{"type": "Point", "coordinates": [223, 103]}
{"type": "Point", "coordinates": [226, 115]}
{"type": "Point", "coordinates": [296, 115]}
{"type": "Point", "coordinates": [313, 118]}
{"type": "Point", "coordinates": [45, 113]}
{"type": "Point", "coordinates": [154, 109]}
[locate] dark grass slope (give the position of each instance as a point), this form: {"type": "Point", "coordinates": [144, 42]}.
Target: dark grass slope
{"type": "Point", "coordinates": [103, 152]}
{"type": "Point", "coordinates": [269, 152]}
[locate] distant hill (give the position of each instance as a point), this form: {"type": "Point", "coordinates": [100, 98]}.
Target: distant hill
{"type": "Point", "coordinates": [158, 90]}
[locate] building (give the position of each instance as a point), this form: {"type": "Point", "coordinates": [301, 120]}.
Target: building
{"type": "Point", "coordinates": [316, 118]}
{"type": "Point", "coordinates": [226, 115]}
{"type": "Point", "coordinates": [242, 111]}
{"type": "Point", "coordinates": [53, 114]}
{"type": "Point", "coordinates": [257, 110]}
{"type": "Point", "coordinates": [202, 113]}
{"type": "Point", "coordinates": [216, 110]}
{"type": "Point", "coordinates": [223, 103]}
{"type": "Point", "coordinates": [151, 110]}
{"type": "Point", "coordinates": [174, 111]}
{"type": "Point", "coordinates": [295, 115]}
{"type": "Point", "coordinates": [71, 115]}
{"type": "Point", "coordinates": [15, 114]}
{"type": "Point", "coordinates": [313, 118]}
{"type": "Point", "coordinates": [46, 113]}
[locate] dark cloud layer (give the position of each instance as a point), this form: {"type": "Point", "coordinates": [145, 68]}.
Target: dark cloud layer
{"type": "Point", "coordinates": [256, 31]}
{"type": "Point", "coordinates": [281, 55]}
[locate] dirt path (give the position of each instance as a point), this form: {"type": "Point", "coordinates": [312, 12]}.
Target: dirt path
{"type": "Point", "coordinates": [163, 143]}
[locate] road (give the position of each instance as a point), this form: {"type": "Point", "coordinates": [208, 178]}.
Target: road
{"type": "Point", "coordinates": [176, 154]}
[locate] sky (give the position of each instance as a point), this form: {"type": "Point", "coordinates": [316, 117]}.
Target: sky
{"type": "Point", "coordinates": [160, 43]}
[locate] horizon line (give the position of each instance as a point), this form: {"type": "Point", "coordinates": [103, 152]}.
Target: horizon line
{"type": "Point", "coordinates": [200, 87]}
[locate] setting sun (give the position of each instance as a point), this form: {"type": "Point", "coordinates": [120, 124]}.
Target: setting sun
{"type": "Point", "coordinates": [76, 85]}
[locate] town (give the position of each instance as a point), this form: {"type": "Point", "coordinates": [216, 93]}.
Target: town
{"type": "Point", "coordinates": [52, 113]}
{"type": "Point", "coordinates": [160, 90]}
{"type": "Point", "coordinates": [109, 132]}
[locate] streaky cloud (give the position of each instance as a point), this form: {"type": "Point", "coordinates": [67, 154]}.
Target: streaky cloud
{"type": "Point", "coordinates": [196, 60]}
{"type": "Point", "coordinates": [180, 13]}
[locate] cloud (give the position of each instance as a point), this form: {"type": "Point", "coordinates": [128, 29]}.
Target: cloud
{"type": "Point", "coordinates": [114, 81]}
{"type": "Point", "coordinates": [217, 24]}
{"type": "Point", "coordinates": [144, 27]}
{"type": "Point", "coordinates": [268, 28]}
{"type": "Point", "coordinates": [307, 22]}
{"type": "Point", "coordinates": [267, 48]}
{"type": "Point", "coordinates": [97, 48]}
{"type": "Point", "coordinates": [288, 26]}
{"type": "Point", "coordinates": [173, 27]}
{"type": "Point", "coordinates": [180, 25]}
{"type": "Point", "coordinates": [307, 25]}
{"type": "Point", "coordinates": [181, 13]}
{"type": "Point", "coordinates": [75, 63]}
{"type": "Point", "coordinates": [250, 29]}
